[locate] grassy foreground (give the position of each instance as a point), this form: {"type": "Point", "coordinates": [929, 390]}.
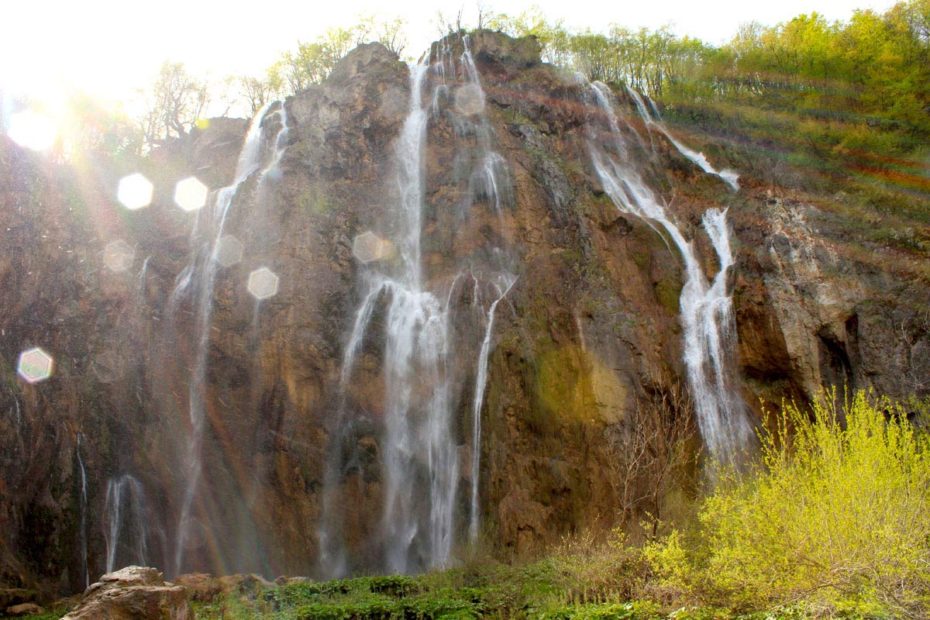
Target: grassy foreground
{"type": "Point", "coordinates": [832, 522]}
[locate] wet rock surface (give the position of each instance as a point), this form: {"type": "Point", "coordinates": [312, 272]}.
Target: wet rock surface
{"type": "Point", "coordinates": [588, 334]}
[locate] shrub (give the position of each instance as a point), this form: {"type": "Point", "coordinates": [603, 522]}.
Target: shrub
{"type": "Point", "coordinates": [836, 517]}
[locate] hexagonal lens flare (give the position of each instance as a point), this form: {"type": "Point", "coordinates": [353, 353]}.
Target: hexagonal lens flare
{"type": "Point", "coordinates": [368, 247]}
{"type": "Point", "coordinates": [134, 191]}
{"type": "Point", "coordinates": [190, 194]}
{"type": "Point", "coordinates": [35, 365]}
{"type": "Point", "coordinates": [118, 256]}
{"type": "Point", "coordinates": [228, 251]}
{"type": "Point", "coordinates": [469, 100]}
{"type": "Point", "coordinates": [263, 283]}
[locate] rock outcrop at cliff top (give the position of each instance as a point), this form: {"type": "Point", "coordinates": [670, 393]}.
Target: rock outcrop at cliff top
{"type": "Point", "coordinates": [587, 338]}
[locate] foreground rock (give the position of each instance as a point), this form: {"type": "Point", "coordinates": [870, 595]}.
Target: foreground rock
{"type": "Point", "coordinates": [136, 593]}
{"type": "Point", "coordinates": [24, 609]}
{"type": "Point", "coordinates": [206, 588]}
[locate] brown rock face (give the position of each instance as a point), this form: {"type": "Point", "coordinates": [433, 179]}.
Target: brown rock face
{"type": "Point", "coordinates": [189, 426]}
{"type": "Point", "coordinates": [133, 593]}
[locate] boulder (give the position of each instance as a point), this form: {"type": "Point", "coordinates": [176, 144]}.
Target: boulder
{"type": "Point", "coordinates": [24, 609]}
{"type": "Point", "coordinates": [205, 588]}
{"type": "Point", "coordinates": [133, 593]}
{"type": "Point", "coordinates": [10, 597]}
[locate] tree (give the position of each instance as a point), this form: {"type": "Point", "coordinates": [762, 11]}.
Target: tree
{"type": "Point", "coordinates": [389, 33]}
{"type": "Point", "coordinates": [174, 104]}
{"type": "Point", "coordinates": [312, 62]}
{"type": "Point", "coordinates": [94, 130]}
{"type": "Point", "coordinates": [255, 91]}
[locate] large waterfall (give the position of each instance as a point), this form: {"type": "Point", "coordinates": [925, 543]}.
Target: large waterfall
{"type": "Point", "coordinates": [419, 444]}
{"type": "Point", "coordinates": [706, 308]}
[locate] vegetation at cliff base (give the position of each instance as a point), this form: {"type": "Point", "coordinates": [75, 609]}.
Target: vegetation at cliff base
{"type": "Point", "coordinates": [832, 523]}
{"type": "Point", "coordinates": [836, 517]}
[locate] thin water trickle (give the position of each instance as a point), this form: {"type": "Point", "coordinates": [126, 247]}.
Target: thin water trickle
{"type": "Point", "coordinates": [201, 274]}
{"type": "Point", "coordinates": [481, 378]}
{"type": "Point", "coordinates": [83, 533]}
{"type": "Point", "coordinates": [706, 308]}
{"type": "Point", "coordinates": [729, 177]}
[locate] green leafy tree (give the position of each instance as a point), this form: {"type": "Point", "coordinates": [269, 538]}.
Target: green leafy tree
{"type": "Point", "coordinates": [312, 62]}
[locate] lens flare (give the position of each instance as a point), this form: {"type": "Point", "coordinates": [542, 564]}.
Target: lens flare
{"type": "Point", "coordinates": [368, 247]}
{"type": "Point", "coordinates": [35, 365]}
{"type": "Point", "coordinates": [134, 191]}
{"type": "Point", "coordinates": [190, 194]}
{"type": "Point", "coordinates": [263, 283]}
{"type": "Point", "coordinates": [118, 256]}
{"type": "Point", "coordinates": [229, 251]}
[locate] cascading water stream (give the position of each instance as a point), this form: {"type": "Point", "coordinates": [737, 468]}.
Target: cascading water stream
{"type": "Point", "coordinates": [83, 536]}
{"type": "Point", "coordinates": [201, 273]}
{"type": "Point", "coordinates": [481, 380]}
{"type": "Point", "coordinates": [729, 177]}
{"type": "Point", "coordinates": [418, 447]}
{"type": "Point", "coordinates": [706, 309]}
{"type": "Point", "coordinates": [126, 523]}
{"type": "Point", "coordinates": [415, 350]}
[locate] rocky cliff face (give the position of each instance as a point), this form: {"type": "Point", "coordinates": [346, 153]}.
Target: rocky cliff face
{"type": "Point", "coordinates": [586, 347]}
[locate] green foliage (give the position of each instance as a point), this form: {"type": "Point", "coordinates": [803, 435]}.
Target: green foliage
{"type": "Point", "coordinates": [296, 70]}
{"type": "Point", "coordinates": [648, 60]}
{"type": "Point", "coordinates": [829, 102]}
{"type": "Point", "coordinates": [836, 517]}
{"type": "Point", "coordinates": [603, 611]}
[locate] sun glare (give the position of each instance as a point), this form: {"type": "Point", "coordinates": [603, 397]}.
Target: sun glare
{"type": "Point", "coordinates": [32, 130]}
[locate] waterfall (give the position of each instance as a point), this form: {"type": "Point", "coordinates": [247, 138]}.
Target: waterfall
{"type": "Point", "coordinates": [706, 308]}
{"type": "Point", "coordinates": [126, 534]}
{"type": "Point", "coordinates": [415, 350]}
{"type": "Point", "coordinates": [652, 120]}
{"type": "Point", "coordinates": [419, 448]}
{"type": "Point", "coordinates": [143, 272]}
{"type": "Point", "coordinates": [481, 379]}
{"type": "Point", "coordinates": [83, 533]}
{"type": "Point", "coordinates": [201, 274]}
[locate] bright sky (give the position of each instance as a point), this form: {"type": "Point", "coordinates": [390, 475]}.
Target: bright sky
{"type": "Point", "coordinates": [112, 48]}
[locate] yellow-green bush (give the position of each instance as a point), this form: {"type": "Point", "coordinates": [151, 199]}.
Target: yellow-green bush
{"type": "Point", "coordinates": [836, 516]}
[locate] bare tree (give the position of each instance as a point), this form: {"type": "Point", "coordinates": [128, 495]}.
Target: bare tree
{"type": "Point", "coordinates": [255, 91]}
{"type": "Point", "coordinates": [652, 453]}
{"type": "Point", "coordinates": [174, 105]}
{"type": "Point", "coordinates": [391, 35]}
{"type": "Point", "coordinates": [447, 26]}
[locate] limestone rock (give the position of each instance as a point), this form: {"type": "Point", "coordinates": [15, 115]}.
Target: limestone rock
{"type": "Point", "coordinates": [10, 597]}
{"type": "Point", "coordinates": [24, 609]}
{"type": "Point", "coordinates": [133, 593]}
